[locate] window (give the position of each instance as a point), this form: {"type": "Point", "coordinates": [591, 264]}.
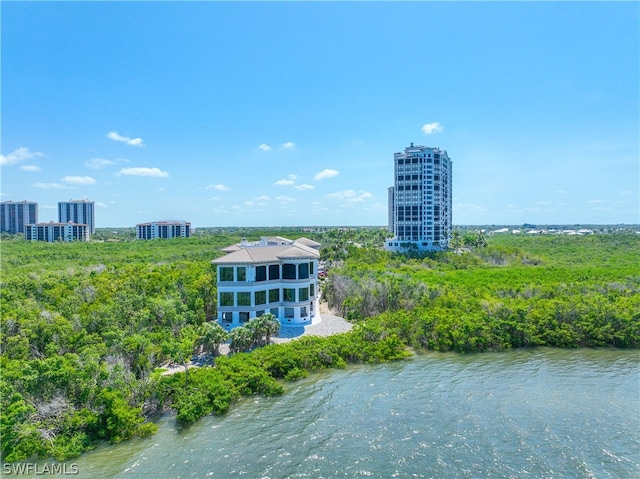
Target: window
{"type": "Point", "coordinates": [288, 313]}
{"type": "Point", "coordinates": [261, 273]}
{"type": "Point", "coordinates": [303, 312]}
{"type": "Point", "coordinates": [289, 295]}
{"type": "Point", "coordinates": [274, 295]}
{"type": "Point", "coordinates": [312, 290]}
{"type": "Point", "coordinates": [241, 272]}
{"type": "Point", "coordinates": [274, 311]}
{"type": "Point", "coordinates": [244, 299]}
{"type": "Point", "coordinates": [303, 271]}
{"type": "Point", "coordinates": [259, 313]}
{"type": "Point", "coordinates": [274, 271]}
{"type": "Point", "coordinates": [244, 317]}
{"type": "Point", "coordinates": [227, 317]}
{"type": "Point", "coordinates": [288, 271]}
{"type": "Point", "coordinates": [226, 299]}
{"type": "Point", "coordinates": [226, 273]}
{"type": "Point", "coordinates": [311, 268]}
{"type": "Point", "coordinates": [303, 294]}
{"type": "Point", "coordinates": [260, 297]}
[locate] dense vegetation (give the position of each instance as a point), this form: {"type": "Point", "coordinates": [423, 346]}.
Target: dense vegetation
{"type": "Point", "coordinates": [564, 291]}
{"type": "Point", "coordinates": [86, 326]}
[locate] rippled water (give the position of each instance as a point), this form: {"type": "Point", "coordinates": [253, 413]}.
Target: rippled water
{"type": "Point", "coordinates": [539, 413]}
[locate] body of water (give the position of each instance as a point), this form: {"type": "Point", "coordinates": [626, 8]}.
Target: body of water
{"type": "Point", "coordinates": [541, 413]}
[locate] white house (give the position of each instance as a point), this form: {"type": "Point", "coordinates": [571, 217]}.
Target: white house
{"type": "Point", "coordinates": [274, 275]}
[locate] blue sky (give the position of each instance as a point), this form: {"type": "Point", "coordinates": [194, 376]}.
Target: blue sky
{"type": "Point", "coordinates": [281, 114]}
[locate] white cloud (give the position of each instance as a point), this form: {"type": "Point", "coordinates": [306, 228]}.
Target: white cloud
{"type": "Point", "coordinates": [285, 199]}
{"type": "Point", "coordinates": [595, 202]}
{"type": "Point", "coordinates": [30, 168]}
{"type": "Point", "coordinates": [289, 145]}
{"type": "Point", "coordinates": [141, 171]}
{"type": "Point", "coordinates": [125, 139]}
{"type": "Point", "coordinates": [98, 163]}
{"type": "Point", "coordinates": [101, 205]}
{"type": "Point", "coordinates": [350, 196]}
{"type": "Point", "coordinates": [214, 198]}
{"type": "Point", "coordinates": [57, 186]}
{"type": "Point", "coordinates": [326, 173]}
{"type": "Point", "coordinates": [262, 198]}
{"type": "Point", "coordinates": [430, 128]}
{"type": "Point", "coordinates": [249, 203]}
{"type": "Point", "coordinates": [18, 155]}
{"type": "Point", "coordinates": [218, 187]}
{"type": "Point", "coordinates": [79, 180]}
{"type": "Point", "coordinates": [285, 182]}
{"type": "Point", "coordinates": [265, 147]}
{"type": "Point", "coordinates": [304, 187]}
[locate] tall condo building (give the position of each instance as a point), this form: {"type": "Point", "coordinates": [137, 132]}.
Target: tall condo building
{"type": "Point", "coordinates": [14, 215]}
{"type": "Point", "coordinates": [420, 200]}
{"type": "Point", "coordinates": [77, 211]}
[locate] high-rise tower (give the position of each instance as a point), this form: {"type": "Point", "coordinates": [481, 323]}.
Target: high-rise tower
{"type": "Point", "coordinates": [16, 214]}
{"type": "Point", "coordinates": [420, 200]}
{"type": "Point", "coordinates": [77, 211]}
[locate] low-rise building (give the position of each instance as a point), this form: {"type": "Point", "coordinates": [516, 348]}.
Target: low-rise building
{"type": "Point", "coordinates": [51, 232]}
{"type": "Point", "coordinates": [273, 275]}
{"type": "Point", "coordinates": [163, 229]}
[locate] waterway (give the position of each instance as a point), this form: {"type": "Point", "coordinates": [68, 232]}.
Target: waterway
{"type": "Point", "coordinates": [540, 413]}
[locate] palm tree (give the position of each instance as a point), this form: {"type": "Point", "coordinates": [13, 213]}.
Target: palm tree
{"type": "Point", "coordinates": [212, 335]}
{"type": "Point", "coordinates": [256, 327]}
{"type": "Point", "coordinates": [241, 339]}
{"type": "Point", "coordinates": [481, 240]}
{"type": "Point", "coordinates": [272, 327]}
{"type": "Point", "coordinates": [456, 239]}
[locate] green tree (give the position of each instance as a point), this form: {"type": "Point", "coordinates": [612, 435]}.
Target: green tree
{"type": "Point", "coordinates": [212, 335]}
{"type": "Point", "coordinates": [241, 339]}
{"type": "Point", "coordinates": [456, 240]}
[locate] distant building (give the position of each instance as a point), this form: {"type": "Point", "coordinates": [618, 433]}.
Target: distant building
{"type": "Point", "coordinates": [163, 229]}
{"type": "Point", "coordinates": [15, 215]}
{"type": "Point", "coordinates": [390, 200]}
{"type": "Point", "coordinates": [51, 232]}
{"type": "Point", "coordinates": [420, 200]}
{"type": "Point", "coordinates": [78, 211]}
{"type": "Point", "coordinates": [274, 275]}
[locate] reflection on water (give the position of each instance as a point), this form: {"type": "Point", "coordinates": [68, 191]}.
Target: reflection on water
{"type": "Point", "coordinates": [529, 413]}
